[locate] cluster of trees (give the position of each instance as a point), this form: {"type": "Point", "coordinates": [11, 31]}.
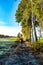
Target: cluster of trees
{"type": "Point", "coordinates": [24, 13]}
{"type": "Point", "coordinates": [1, 36]}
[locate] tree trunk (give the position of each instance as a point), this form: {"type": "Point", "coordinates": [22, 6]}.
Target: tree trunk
{"type": "Point", "coordinates": [35, 34]}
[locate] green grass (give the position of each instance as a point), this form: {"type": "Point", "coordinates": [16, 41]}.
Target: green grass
{"type": "Point", "coordinates": [11, 39]}
{"type": "Point", "coordinates": [40, 40]}
{"type": "Point", "coordinates": [38, 45]}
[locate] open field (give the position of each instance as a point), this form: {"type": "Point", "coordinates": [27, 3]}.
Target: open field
{"type": "Point", "coordinates": [9, 39]}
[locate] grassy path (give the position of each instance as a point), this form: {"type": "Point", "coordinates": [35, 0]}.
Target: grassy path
{"type": "Point", "coordinates": [22, 55]}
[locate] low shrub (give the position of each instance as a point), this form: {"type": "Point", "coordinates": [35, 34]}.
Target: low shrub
{"type": "Point", "coordinates": [37, 46]}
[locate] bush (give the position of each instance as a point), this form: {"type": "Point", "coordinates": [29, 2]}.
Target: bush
{"type": "Point", "coordinates": [37, 46]}
{"type": "Point", "coordinates": [17, 39]}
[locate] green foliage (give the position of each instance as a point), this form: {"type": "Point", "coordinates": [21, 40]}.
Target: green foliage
{"type": "Point", "coordinates": [38, 46]}
{"type": "Point", "coordinates": [23, 14]}
{"type": "Point", "coordinates": [41, 40]}
{"type": "Point", "coordinates": [17, 39]}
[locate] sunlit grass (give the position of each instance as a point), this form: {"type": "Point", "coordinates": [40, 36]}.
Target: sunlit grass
{"type": "Point", "coordinates": [11, 39]}
{"type": "Point", "coordinates": [38, 45]}
{"type": "Point", "coordinates": [40, 40]}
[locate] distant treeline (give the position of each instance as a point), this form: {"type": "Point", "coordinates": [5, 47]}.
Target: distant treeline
{"type": "Point", "coordinates": [4, 36]}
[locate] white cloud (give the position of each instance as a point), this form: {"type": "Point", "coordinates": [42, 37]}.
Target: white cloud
{"type": "Point", "coordinates": [11, 31]}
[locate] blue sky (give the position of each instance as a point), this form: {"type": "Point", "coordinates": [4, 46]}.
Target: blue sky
{"type": "Point", "coordinates": [7, 17]}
